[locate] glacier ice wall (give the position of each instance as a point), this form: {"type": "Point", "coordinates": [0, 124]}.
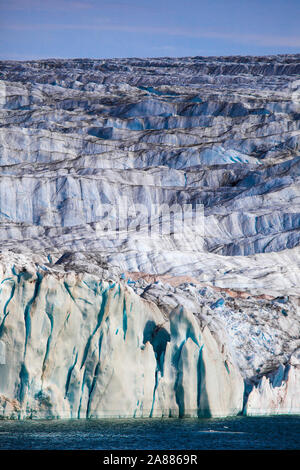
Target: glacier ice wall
{"type": "Point", "coordinates": [277, 394]}
{"type": "Point", "coordinates": [74, 346]}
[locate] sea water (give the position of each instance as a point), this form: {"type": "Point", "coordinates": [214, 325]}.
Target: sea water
{"type": "Point", "coordinates": [279, 432]}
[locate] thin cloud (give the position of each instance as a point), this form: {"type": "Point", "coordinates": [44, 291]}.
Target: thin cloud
{"type": "Point", "coordinates": [105, 25]}
{"type": "Point", "coordinates": [54, 5]}
{"type": "Point", "coordinates": [16, 56]}
{"type": "Point", "coordinates": [67, 5]}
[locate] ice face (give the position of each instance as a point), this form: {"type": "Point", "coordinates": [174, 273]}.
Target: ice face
{"type": "Point", "coordinates": [85, 348]}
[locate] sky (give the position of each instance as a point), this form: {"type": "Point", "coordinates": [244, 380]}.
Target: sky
{"type": "Point", "coordinates": [37, 29]}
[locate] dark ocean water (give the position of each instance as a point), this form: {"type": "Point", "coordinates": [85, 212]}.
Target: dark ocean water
{"type": "Point", "coordinates": [281, 432]}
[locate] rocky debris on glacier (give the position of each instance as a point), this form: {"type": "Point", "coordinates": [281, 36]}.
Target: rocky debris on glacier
{"type": "Point", "coordinates": [80, 135]}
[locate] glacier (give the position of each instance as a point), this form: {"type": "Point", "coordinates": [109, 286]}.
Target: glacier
{"type": "Point", "coordinates": [97, 318]}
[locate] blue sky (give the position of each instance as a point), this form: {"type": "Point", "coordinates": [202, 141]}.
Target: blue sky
{"type": "Point", "coordinates": [32, 29]}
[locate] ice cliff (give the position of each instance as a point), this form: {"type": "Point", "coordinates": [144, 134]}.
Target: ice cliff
{"type": "Point", "coordinates": [73, 346]}
{"type": "Point", "coordinates": [99, 319]}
